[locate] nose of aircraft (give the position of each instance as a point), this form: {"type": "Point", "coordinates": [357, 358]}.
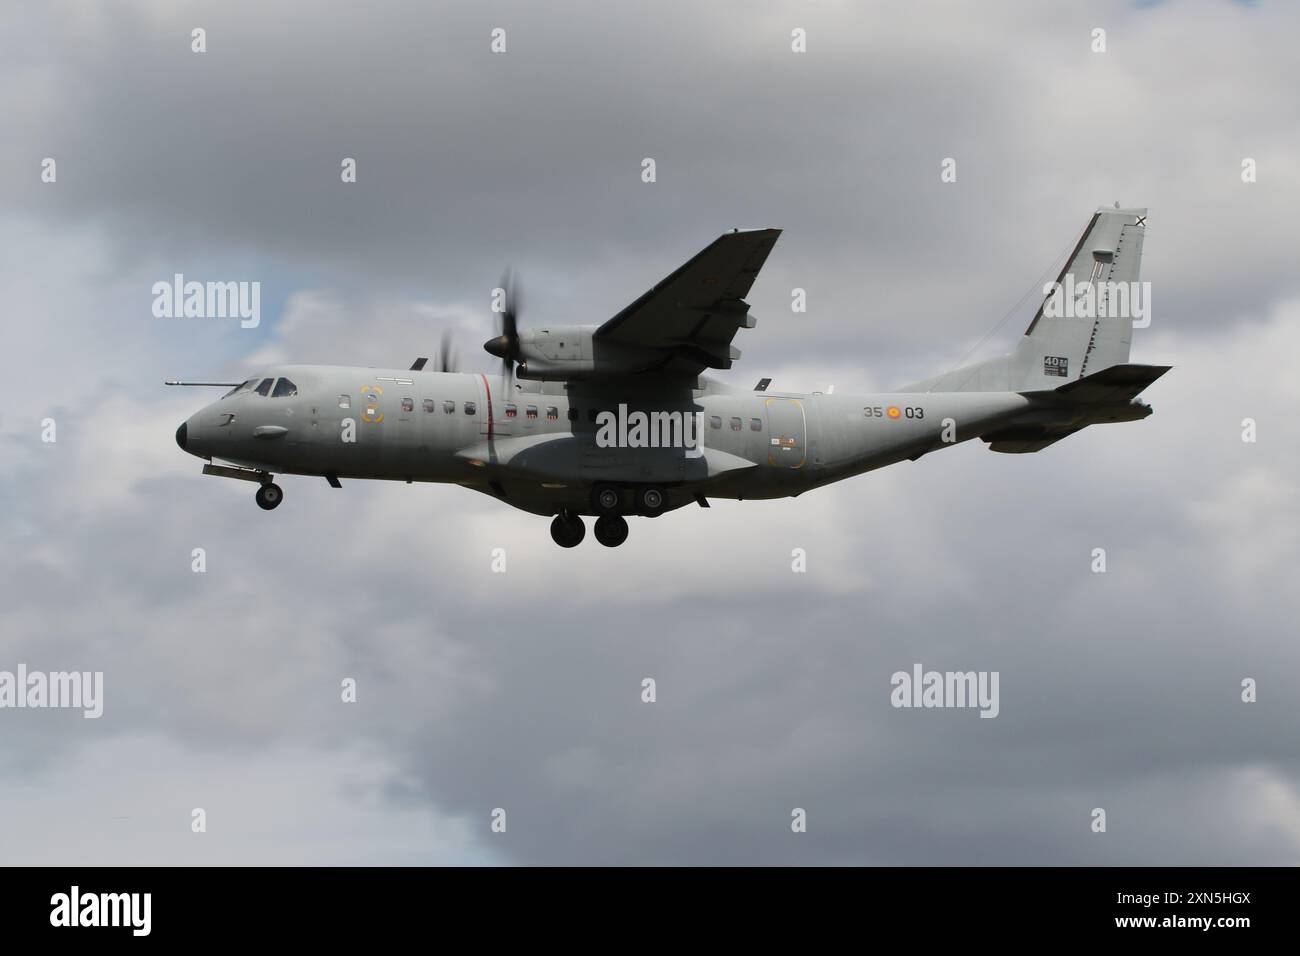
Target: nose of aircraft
{"type": "Point", "coordinates": [194, 434]}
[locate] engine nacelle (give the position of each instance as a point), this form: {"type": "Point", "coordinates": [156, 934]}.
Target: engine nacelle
{"type": "Point", "coordinates": [568, 353]}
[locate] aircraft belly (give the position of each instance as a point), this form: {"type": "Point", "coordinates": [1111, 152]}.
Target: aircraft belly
{"type": "Point", "coordinates": [564, 458]}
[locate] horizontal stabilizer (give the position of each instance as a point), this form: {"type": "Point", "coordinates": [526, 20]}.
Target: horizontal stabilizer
{"type": "Point", "coordinates": [1097, 399]}
{"type": "Point", "coordinates": [1118, 383]}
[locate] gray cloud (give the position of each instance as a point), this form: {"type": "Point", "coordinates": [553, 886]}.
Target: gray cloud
{"type": "Point", "coordinates": [522, 691]}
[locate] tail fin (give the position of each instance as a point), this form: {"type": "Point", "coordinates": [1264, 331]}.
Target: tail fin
{"type": "Point", "coordinates": [1085, 323]}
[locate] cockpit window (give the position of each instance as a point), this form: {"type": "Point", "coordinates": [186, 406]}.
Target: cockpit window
{"type": "Point", "coordinates": [265, 387]}
{"type": "Point", "coordinates": [284, 389]}
{"type": "Point", "coordinates": [241, 387]}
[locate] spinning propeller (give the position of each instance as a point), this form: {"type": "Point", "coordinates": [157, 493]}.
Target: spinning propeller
{"type": "Point", "coordinates": [506, 345]}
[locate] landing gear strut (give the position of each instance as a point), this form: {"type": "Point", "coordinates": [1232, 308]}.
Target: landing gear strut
{"type": "Point", "coordinates": [269, 496]}
{"type": "Point", "coordinates": [611, 530]}
{"type": "Point", "coordinates": [567, 530]}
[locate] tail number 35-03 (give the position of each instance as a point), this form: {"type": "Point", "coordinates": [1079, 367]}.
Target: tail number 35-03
{"type": "Point", "coordinates": [893, 412]}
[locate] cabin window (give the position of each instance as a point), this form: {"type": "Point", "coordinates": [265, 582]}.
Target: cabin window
{"type": "Point", "coordinates": [284, 389]}
{"type": "Point", "coordinates": [345, 401]}
{"type": "Point", "coordinates": [735, 424]}
{"type": "Point", "coordinates": [429, 405]}
{"type": "Point", "coordinates": [756, 424]}
{"type": "Point", "coordinates": [408, 404]}
{"type": "Point", "coordinates": [573, 414]}
{"type": "Point", "coordinates": [448, 407]}
{"type": "Point", "coordinates": [715, 421]}
{"type": "Point", "coordinates": [264, 389]}
{"type": "Point", "coordinates": [511, 410]}
{"type": "Point", "coordinates": [470, 408]}
{"type": "Point", "coordinates": [552, 413]}
{"type": "Point", "coordinates": [532, 412]}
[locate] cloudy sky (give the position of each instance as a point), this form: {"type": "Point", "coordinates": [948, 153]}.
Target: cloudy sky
{"type": "Point", "coordinates": [523, 691]}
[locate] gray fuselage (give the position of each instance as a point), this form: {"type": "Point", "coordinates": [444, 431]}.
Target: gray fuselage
{"type": "Point", "coordinates": [535, 445]}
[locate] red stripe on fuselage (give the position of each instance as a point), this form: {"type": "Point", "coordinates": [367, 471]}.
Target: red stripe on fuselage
{"type": "Point", "coordinates": [488, 390]}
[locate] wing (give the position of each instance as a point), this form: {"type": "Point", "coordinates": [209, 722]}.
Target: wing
{"type": "Point", "coordinates": [685, 324]}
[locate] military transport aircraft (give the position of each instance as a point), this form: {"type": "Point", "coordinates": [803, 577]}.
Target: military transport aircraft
{"type": "Point", "coordinates": [617, 419]}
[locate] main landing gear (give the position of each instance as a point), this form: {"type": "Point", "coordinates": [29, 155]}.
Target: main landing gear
{"type": "Point", "coordinates": [567, 530]}
{"type": "Point", "coordinates": [610, 503]}
{"type": "Point", "coordinates": [611, 530]}
{"type": "Point", "coordinates": [269, 496]}
{"type": "Point", "coordinates": [649, 500]}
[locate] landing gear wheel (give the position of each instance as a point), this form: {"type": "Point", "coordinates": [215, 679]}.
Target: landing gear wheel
{"type": "Point", "coordinates": [652, 501]}
{"type": "Point", "coordinates": [605, 500]}
{"type": "Point", "coordinates": [568, 530]}
{"type": "Point", "coordinates": [269, 496]}
{"type": "Point", "coordinates": [611, 530]}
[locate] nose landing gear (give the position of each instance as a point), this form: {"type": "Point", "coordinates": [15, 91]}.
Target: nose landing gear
{"type": "Point", "coordinates": [269, 496]}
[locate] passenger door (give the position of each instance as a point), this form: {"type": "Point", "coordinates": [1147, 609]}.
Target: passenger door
{"type": "Point", "coordinates": [787, 432]}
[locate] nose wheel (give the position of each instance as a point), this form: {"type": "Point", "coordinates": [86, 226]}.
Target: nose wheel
{"type": "Point", "coordinates": [269, 496]}
{"type": "Point", "coordinates": [568, 530]}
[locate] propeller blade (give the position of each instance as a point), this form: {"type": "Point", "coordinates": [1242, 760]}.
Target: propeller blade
{"type": "Point", "coordinates": [510, 314]}
{"type": "Point", "coordinates": [446, 353]}
{"type": "Point", "coordinates": [506, 345]}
